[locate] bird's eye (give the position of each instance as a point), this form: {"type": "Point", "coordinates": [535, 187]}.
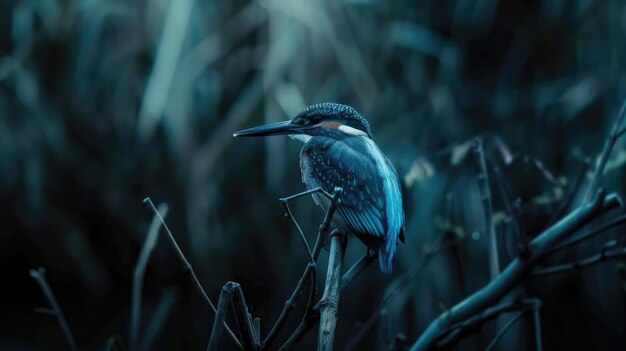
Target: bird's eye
{"type": "Point", "coordinates": [302, 121]}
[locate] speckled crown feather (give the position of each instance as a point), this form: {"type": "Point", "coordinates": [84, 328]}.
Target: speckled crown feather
{"type": "Point", "coordinates": [339, 112]}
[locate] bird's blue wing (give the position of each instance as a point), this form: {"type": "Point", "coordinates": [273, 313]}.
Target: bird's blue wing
{"type": "Point", "coordinates": [331, 163]}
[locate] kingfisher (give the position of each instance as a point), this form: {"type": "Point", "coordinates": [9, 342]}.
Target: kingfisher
{"type": "Point", "coordinates": [339, 151]}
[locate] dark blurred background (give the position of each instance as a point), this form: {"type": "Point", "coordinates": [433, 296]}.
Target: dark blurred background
{"type": "Point", "coordinates": [105, 102]}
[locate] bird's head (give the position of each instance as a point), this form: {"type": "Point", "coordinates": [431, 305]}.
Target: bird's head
{"type": "Point", "coordinates": [326, 119]}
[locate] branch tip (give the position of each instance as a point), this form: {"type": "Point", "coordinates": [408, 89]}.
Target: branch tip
{"type": "Point", "coordinates": [613, 200]}
{"type": "Point", "coordinates": [146, 202]}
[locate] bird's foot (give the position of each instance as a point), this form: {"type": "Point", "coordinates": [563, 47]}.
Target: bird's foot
{"type": "Point", "coordinates": [341, 235]}
{"type": "Point", "coordinates": [332, 233]}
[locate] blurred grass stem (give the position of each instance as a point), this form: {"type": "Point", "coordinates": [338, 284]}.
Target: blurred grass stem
{"type": "Point", "coordinates": [40, 277]}
{"type": "Point", "coordinates": [140, 270]}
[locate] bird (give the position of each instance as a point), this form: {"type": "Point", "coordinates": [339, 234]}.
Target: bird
{"type": "Point", "coordinates": [339, 151]}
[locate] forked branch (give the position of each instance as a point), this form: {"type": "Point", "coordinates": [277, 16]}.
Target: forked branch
{"type": "Point", "coordinates": [518, 269]}
{"type": "Point", "coordinates": [309, 273]}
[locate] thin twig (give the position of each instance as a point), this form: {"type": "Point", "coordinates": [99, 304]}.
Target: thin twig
{"type": "Point", "coordinates": [485, 197]}
{"type": "Point", "coordinates": [307, 275]}
{"type": "Point", "coordinates": [518, 269]}
{"type": "Point", "coordinates": [140, 270]}
{"type": "Point", "coordinates": [609, 144]}
{"type": "Point", "coordinates": [358, 267]}
{"type": "Point", "coordinates": [189, 269]}
{"type": "Point", "coordinates": [40, 277]}
{"type": "Point", "coordinates": [312, 317]}
{"type": "Point", "coordinates": [588, 235]}
{"type": "Point", "coordinates": [220, 316]}
{"type": "Point", "coordinates": [535, 305]}
{"type": "Point", "coordinates": [569, 198]}
{"type": "Point", "coordinates": [434, 248]}
{"type": "Point", "coordinates": [293, 221]}
{"type": "Point", "coordinates": [504, 329]}
{"type": "Point", "coordinates": [257, 329]}
{"type": "Point", "coordinates": [243, 318]}
{"type": "Point", "coordinates": [329, 305]}
{"type": "Point", "coordinates": [309, 320]}
{"type": "Point", "coordinates": [608, 252]}
{"type": "Point", "coordinates": [304, 193]}
{"type": "Point", "coordinates": [450, 337]}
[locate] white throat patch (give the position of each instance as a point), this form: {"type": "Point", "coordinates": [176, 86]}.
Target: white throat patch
{"type": "Point", "coordinates": [302, 137]}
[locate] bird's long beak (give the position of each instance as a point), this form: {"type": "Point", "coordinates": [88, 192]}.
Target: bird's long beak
{"type": "Point", "coordinates": [285, 127]}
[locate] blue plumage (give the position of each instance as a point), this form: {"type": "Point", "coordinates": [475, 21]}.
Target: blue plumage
{"type": "Point", "coordinates": [339, 151]}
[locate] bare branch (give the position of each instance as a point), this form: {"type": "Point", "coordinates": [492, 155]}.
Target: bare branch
{"type": "Point", "coordinates": [329, 305]}
{"type": "Point", "coordinates": [310, 270]}
{"type": "Point", "coordinates": [257, 329]}
{"type": "Point", "coordinates": [471, 325]}
{"type": "Point", "coordinates": [504, 329]}
{"type": "Point", "coordinates": [610, 251]}
{"type": "Point", "coordinates": [436, 247]}
{"type": "Point", "coordinates": [609, 144]}
{"type": "Point", "coordinates": [517, 270]}
{"type": "Point", "coordinates": [358, 267]}
{"type": "Point", "coordinates": [293, 221]}
{"type": "Point", "coordinates": [450, 337]}
{"type": "Point", "coordinates": [40, 277]}
{"type": "Point", "coordinates": [535, 305]}
{"type": "Point", "coordinates": [304, 193]}
{"type": "Point", "coordinates": [218, 325]}
{"type": "Point", "coordinates": [244, 321]}
{"type": "Point", "coordinates": [313, 315]}
{"type": "Point", "coordinates": [588, 235]}
{"type": "Point", "coordinates": [189, 269]}
{"type": "Point", "coordinates": [309, 320]}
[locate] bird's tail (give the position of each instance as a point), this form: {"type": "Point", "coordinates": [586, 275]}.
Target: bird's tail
{"type": "Point", "coordinates": [385, 258]}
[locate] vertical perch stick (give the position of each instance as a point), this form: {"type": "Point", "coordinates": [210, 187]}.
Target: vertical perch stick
{"type": "Point", "coordinates": [218, 325]}
{"type": "Point", "coordinates": [244, 321]}
{"type": "Point", "coordinates": [329, 305]}
{"type": "Point", "coordinates": [232, 295]}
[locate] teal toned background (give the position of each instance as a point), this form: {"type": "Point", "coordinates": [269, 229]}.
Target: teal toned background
{"type": "Point", "coordinates": [105, 102]}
